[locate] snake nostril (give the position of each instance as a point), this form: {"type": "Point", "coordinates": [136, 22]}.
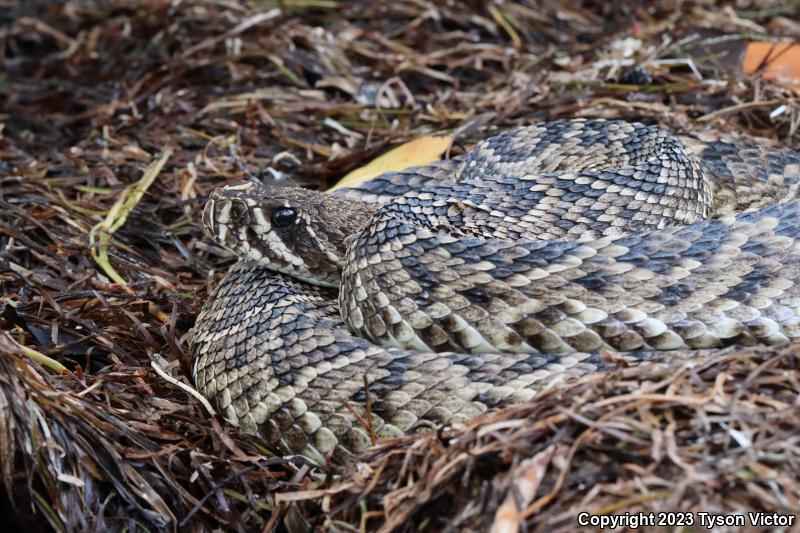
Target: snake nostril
{"type": "Point", "coordinates": [220, 214]}
{"type": "Point", "coordinates": [238, 212]}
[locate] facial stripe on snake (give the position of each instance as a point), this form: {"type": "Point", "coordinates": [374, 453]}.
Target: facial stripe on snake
{"type": "Point", "coordinates": [566, 237]}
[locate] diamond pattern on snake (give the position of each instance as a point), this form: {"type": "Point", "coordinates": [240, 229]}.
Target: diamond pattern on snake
{"type": "Point", "coordinates": [437, 293]}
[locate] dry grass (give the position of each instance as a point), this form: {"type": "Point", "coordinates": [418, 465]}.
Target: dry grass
{"type": "Point", "coordinates": [103, 102]}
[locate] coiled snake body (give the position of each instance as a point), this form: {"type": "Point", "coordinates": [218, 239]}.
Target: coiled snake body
{"type": "Point", "coordinates": [475, 282]}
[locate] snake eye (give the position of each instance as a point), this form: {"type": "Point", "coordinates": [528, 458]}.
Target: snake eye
{"type": "Point", "coordinates": [283, 217]}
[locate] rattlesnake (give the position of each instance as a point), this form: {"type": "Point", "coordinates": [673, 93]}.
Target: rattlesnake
{"type": "Point", "coordinates": [475, 282]}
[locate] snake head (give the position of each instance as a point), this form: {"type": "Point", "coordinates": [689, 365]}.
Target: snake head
{"type": "Point", "coordinates": [296, 231]}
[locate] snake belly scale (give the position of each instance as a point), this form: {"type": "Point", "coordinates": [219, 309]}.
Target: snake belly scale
{"type": "Point", "coordinates": [443, 291]}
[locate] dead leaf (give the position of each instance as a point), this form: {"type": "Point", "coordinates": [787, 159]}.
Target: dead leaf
{"type": "Point", "coordinates": [776, 61]}
{"type": "Point", "coordinates": [528, 476]}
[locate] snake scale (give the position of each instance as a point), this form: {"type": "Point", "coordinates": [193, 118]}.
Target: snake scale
{"type": "Point", "coordinates": [431, 295]}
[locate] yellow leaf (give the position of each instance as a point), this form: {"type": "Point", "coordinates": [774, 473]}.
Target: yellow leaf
{"type": "Point", "coordinates": [100, 234]}
{"type": "Point", "coordinates": [413, 153]}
